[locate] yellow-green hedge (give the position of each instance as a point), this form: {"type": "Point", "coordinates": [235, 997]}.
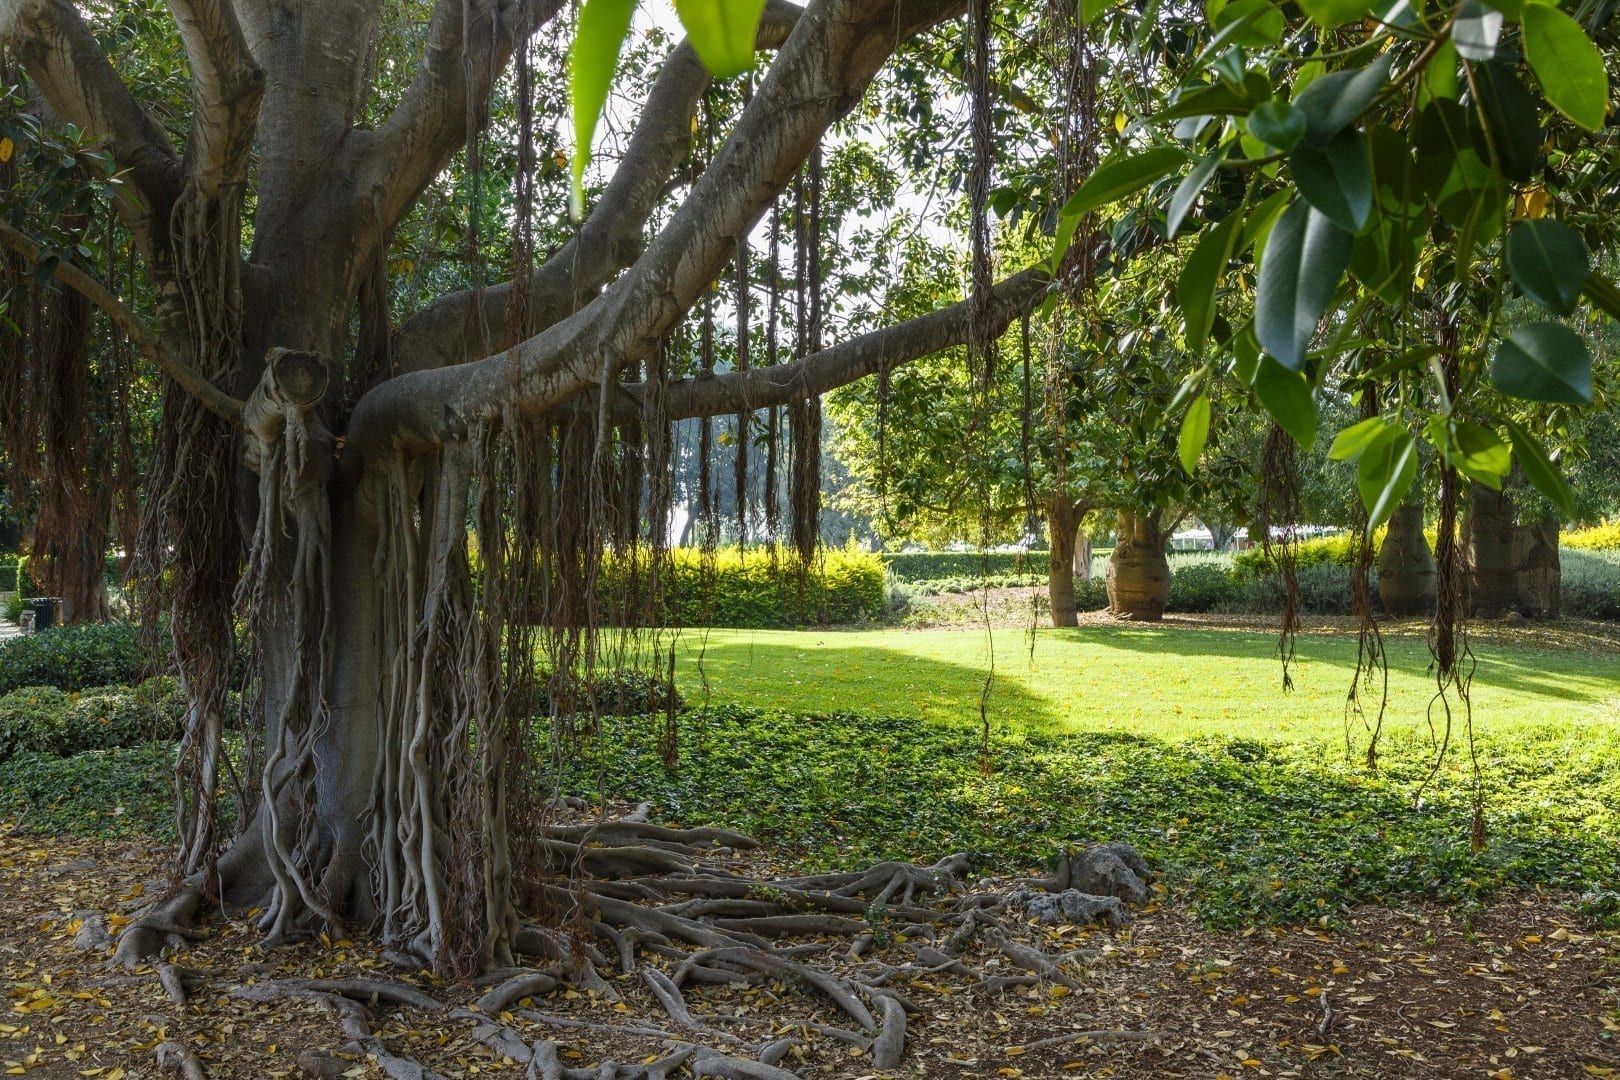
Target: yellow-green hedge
{"type": "Point", "coordinates": [750, 589]}
{"type": "Point", "coordinates": [1604, 537]}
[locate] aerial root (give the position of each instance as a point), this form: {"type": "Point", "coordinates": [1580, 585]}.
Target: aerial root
{"type": "Point", "coordinates": [175, 1060]}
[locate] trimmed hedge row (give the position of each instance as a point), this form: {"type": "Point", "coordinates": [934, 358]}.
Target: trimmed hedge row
{"type": "Point", "coordinates": [750, 590]}
{"type": "Point", "coordinates": [940, 565]}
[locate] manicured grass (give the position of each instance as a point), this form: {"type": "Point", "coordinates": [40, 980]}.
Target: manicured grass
{"type": "Point", "coordinates": [1167, 683]}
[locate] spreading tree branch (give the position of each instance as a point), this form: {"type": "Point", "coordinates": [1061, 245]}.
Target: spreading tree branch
{"type": "Point", "coordinates": [226, 86]}
{"type": "Point", "coordinates": [460, 65]}
{"type": "Point", "coordinates": [819, 75]}
{"type": "Point", "coordinates": [63, 59]}
{"type": "Point", "coordinates": [214, 399]}
{"type": "Point", "coordinates": [886, 348]}
{"type": "Point", "coordinates": [465, 325]}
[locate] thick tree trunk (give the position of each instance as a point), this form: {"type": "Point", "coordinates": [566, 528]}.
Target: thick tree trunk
{"type": "Point", "coordinates": [1406, 569]}
{"type": "Point", "coordinates": [1138, 571]}
{"type": "Point", "coordinates": [1489, 535]}
{"type": "Point", "coordinates": [1516, 567]}
{"type": "Point", "coordinates": [1060, 519]}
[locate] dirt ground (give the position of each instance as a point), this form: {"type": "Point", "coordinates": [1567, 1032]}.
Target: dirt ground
{"type": "Point", "coordinates": [1525, 990]}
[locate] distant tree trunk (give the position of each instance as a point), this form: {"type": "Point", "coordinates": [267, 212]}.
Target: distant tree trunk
{"type": "Point", "coordinates": [1406, 570]}
{"type": "Point", "coordinates": [1060, 519]}
{"type": "Point", "coordinates": [1082, 548]}
{"type": "Point", "coordinates": [1516, 566]}
{"type": "Point", "coordinates": [1138, 571]}
{"type": "Point", "coordinates": [1221, 537]}
{"type": "Point", "coordinates": [1539, 572]}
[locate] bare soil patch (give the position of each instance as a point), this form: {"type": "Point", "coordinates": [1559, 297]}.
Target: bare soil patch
{"type": "Point", "coordinates": [1524, 989]}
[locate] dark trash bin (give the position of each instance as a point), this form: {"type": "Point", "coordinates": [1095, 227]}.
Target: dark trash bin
{"type": "Point", "coordinates": [45, 609]}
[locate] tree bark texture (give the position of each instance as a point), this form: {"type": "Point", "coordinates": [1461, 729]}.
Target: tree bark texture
{"type": "Point", "coordinates": [1406, 568]}
{"type": "Point", "coordinates": [1138, 570]}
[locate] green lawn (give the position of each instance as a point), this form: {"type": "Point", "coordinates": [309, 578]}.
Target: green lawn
{"type": "Point", "coordinates": [1166, 683]}
{"type": "Point", "coordinates": [845, 747]}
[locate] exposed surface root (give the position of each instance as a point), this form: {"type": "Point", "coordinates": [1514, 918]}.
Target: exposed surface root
{"type": "Point", "coordinates": [668, 912]}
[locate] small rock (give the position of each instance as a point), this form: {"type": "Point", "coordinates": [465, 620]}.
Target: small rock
{"type": "Point", "coordinates": [1073, 906]}
{"type": "Point", "coordinates": [92, 935]}
{"type": "Point", "coordinates": [73, 867]}
{"type": "Point", "coordinates": [1103, 871]}
{"type": "Point", "coordinates": [321, 1066]}
{"type": "Point", "coordinates": [1515, 619]}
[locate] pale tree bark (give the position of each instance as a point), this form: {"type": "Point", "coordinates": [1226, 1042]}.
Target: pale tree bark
{"type": "Point", "coordinates": [1406, 567]}
{"type": "Point", "coordinates": [1138, 570]}
{"type": "Point", "coordinates": [1069, 551]}
{"type": "Point", "coordinates": [1515, 564]}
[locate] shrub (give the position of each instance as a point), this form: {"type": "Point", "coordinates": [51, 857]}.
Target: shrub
{"type": "Point", "coordinates": [618, 693]}
{"type": "Point", "coordinates": [1337, 550]}
{"type": "Point", "coordinates": [1604, 537]}
{"type": "Point", "coordinates": [47, 720]}
{"type": "Point", "coordinates": [30, 718]}
{"type": "Point", "coordinates": [1201, 587]}
{"type": "Point", "coordinates": [73, 658]}
{"type": "Point", "coordinates": [748, 589]}
{"type": "Point", "coordinates": [1589, 584]}
{"type": "Point", "coordinates": [939, 565]}
{"type": "Point", "coordinates": [1324, 589]}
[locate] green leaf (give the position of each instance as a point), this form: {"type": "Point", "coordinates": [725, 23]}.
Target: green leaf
{"type": "Point", "coordinates": [1349, 443]}
{"type": "Point", "coordinates": [722, 32]}
{"type": "Point", "coordinates": [1481, 454]}
{"type": "Point", "coordinates": [1549, 262]}
{"type": "Point", "coordinates": [1113, 180]}
{"type": "Point", "coordinates": [1256, 23]}
{"type": "Point", "coordinates": [1217, 100]}
{"type": "Point", "coordinates": [1476, 30]}
{"type": "Point", "coordinates": [1277, 123]}
{"type": "Point", "coordinates": [1194, 433]}
{"type": "Point", "coordinates": [1333, 102]}
{"type": "Point", "coordinates": [1603, 293]}
{"type": "Point", "coordinates": [1568, 65]}
{"type": "Point", "coordinates": [1385, 473]}
{"type": "Point", "coordinates": [603, 26]}
{"type": "Point", "coordinates": [1189, 188]}
{"type": "Point", "coordinates": [1513, 118]}
{"type": "Point", "coordinates": [1305, 257]}
{"type": "Point", "coordinates": [1438, 80]}
{"type": "Point", "coordinates": [1544, 361]}
{"type": "Point", "coordinates": [1336, 179]}
{"type": "Point", "coordinates": [1331, 13]}
{"type": "Point", "coordinates": [1287, 397]}
{"type": "Point", "coordinates": [1195, 289]}
{"type": "Point", "coordinates": [1090, 9]}
{"type": "Point", "coordinates": [1539, 469]}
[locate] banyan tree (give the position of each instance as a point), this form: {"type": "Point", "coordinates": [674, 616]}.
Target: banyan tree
{"type": "Point", "coordinates": [320, 469]}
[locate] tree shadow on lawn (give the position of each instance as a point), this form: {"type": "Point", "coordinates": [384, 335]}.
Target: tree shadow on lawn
{"type": "Point", "coordinates": [1246, 831]}
{"type": "Point", "coordinates": [1526, 670]}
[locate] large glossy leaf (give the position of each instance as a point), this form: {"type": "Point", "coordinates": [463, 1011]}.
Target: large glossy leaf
{"type": "Point", "coordinates": [1544, 361]}
{"type": "Point", "coordinates": [1305, 257]}
{"type": "Point", "coordinates": [1513, 120]}
{"type": "Point", "coordinates": [1353, 440]}
{"type": "Point", "coordinates": [1277, 123]}
{"type": "Point", "coordinates": [1217, 100]}
{"type": "Point", "coordinates": [1195, 289]}
{"type": "Point", "coordinates": [1287, 397]}
{"type": "Point", "coordinates": [603, 26]}
{"type": "Point", "coordinates": [1336, 178]}
{"type": "Point", "coordinates": [1194, 433]}
{"type": "Point", "coordinates": [1476, 31]}
{"type": "Point", "coordinates": [1567, 63]}
{"type": "Point", "coordinates": [1333, 102]}
{"type": "Point", "coordinates": [1385, 474]}
{"type": "Point", "coordinates": [1113, 180]}
{"type": "Point", "coordinates": [1539, 469]}
{"type": "Point", "coordinates": [1481, 454]}
{"type": "Point", "coordinates": [1256, 23]}
{"type": "Point", "coordinates": [1187, 191]}
{"type": "Point", "coordinates": [722, 32]}
{"type": "Point", "coordinates": [1331, 13]}
{"type": "Point", "coordinates": [1549, 262]}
